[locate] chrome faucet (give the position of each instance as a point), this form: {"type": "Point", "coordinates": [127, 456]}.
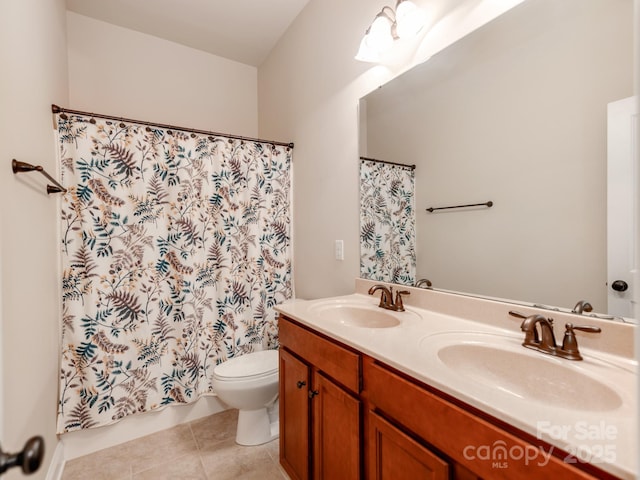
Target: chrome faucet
{"type": "Point", "coordinates": [423, 281]}
{"type": "Point", "coordinates": [546, 341]}
{"type": "Point", "coordinates": [582, 306]}
{"type": "Point", "coordinates": [386, 298]}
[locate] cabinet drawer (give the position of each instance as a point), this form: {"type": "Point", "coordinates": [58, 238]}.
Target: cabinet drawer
{"type": "Point", "coordinates": [469, 440]}
{"type": "Point", "coordinates": [336, 361]}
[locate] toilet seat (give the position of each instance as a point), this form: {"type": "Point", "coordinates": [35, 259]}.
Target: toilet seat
{"type": "Point", "coordinates": [250, 366]}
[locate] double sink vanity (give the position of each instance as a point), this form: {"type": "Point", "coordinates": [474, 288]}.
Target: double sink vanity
{"type": "Point", "coordinates": [446, 389]}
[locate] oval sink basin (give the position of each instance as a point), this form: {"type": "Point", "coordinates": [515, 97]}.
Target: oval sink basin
{"type": "Point", "coordinates": [355, 315]}
{"type": "Point", "coordinates": [503, 364]}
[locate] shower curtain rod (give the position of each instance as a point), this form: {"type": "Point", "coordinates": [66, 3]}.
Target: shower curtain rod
{"type": "Point", "coordinates": [58, 109]}
{"type": "Point", "coordinates": [412, 167]}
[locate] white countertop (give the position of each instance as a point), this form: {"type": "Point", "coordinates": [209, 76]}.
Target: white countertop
{"type": "Point", "coordinates": [594, 434]}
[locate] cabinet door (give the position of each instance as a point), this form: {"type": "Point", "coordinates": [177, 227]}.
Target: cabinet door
{"type": "Point", "coordinates": [393, 455]}
{"type": "Point", "coordinates": [294, 416]}
{"type": "Point", "coordinates": [336, 431]}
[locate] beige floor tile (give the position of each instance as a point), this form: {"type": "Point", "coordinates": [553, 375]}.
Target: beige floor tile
{"type": "Point", "coordinates": [212, 430]}
{"type": "Point", "coordinates": [229, 460]}
{"type": "Point", "coordinates": [158, 448]}
{"type": "Point", "coordinates": [187, 467]}
{"type": "Point", "coordinates": [103, 465]}
{"type": "Point", "coordinates": [202, 449]}
{"type": "Point", "coordinates": [273, 449]}
{"type": "Point", "coordinates": [263, 472]}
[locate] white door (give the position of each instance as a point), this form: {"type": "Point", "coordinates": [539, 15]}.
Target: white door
{"type": "Point", "coordinates": [622, 188]}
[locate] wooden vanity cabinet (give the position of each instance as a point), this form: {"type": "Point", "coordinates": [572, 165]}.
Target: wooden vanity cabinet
{"type": "Point", "coordinates": [320, 411]}
{"type": "Point", "coordinates": [473, 447]}
{"type": "Point", "coordinates": [345, 415]}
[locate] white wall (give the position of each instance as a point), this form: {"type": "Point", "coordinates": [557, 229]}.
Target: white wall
{"type": "Point", "coordinates": [34, 75]}
{"type": "Point", "coordinates": [120, 72]}
{"type": "Point", "coordinates": [308, 91]}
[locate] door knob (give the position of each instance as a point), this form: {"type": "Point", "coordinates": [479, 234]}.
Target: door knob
{"type": "Point", "coordinates": [300, 384]}
{"type": "Point", "coordinates": [313, 393]}
{"type": "Point", "coordinates": [29, 459]}
{"type": "Point", "coordinates": [620, 286]}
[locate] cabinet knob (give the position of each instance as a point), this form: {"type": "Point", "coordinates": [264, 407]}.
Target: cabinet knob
{"type": "Point", "coordinates": [300, 384]}
{"type": "Point", "coordinates": [313, 393]}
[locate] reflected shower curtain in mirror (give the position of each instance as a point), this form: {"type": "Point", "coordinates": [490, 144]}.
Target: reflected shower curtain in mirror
{"type": "Point", "coordinates": [387, 219]}
{"type": "Point", "coordinates": [175, 248]}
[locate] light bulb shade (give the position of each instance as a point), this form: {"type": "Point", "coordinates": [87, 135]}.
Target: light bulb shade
{"type": "Point", "coordinates": [366, 53]}
{"type": "Point", "coordinates": [405, 22]}
{"type": "Point", "coordinates": [409, 19]}
{"type": "Point", "coordinates": [380, 37]}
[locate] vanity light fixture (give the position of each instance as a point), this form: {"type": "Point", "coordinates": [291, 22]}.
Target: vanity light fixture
{"type": "Point", "coordinates": [388, 26]}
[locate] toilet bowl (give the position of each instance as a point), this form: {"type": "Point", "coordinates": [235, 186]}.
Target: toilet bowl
{"type": "Point", "coordinates": [250, 384]}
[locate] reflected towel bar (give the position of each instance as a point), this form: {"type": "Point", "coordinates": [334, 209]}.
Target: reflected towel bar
{"type": "Point", "coordinates": [486, 204]}
{"type": "Point", "coordinates": [410, 167]}
{"type": "Point", "coordinates": [20, 167]}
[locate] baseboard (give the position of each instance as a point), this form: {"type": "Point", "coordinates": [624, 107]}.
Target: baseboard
{"type": "Point", "coordinates": [56, 467]}
{"type": "Point", "coordinates": [85, 442]}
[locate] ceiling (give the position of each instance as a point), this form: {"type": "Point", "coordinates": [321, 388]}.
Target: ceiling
{"type": "Point", "coordinates": [241, 30]}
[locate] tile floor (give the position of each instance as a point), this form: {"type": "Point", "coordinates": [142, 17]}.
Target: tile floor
{"type": "Point", "coordinates": [200, 450]}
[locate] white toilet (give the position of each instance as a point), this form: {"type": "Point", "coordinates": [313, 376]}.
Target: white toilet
{"type": "Point", "coordinates": [250, 384]}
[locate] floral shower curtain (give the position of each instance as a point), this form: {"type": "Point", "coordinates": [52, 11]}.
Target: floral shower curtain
{"type": "Point", "coordinates": [387, 222]}
{"type": "Point", "coordinates": [175, 248]}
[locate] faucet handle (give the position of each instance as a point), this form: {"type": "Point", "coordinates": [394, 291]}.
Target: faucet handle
{"type": "Point", "coordinates": [583, 328]}
{"type": "Point", "coordinates": [522, 316]}
{"type": "Point", "coordinates": [399, 306]}
{"type": "Point", "coordinates": [569, 342]}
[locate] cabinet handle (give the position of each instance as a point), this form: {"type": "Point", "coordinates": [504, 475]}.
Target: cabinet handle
{"type": "Point", "coordinates": [300, 384]}
{"type": "Point", "coordinates": [313, 393]}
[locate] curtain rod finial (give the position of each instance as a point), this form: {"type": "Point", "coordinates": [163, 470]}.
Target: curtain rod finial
{"type": "Point", "coordinates": [55, 189]}
{"type": "Point", "coordinates": [19, 167]}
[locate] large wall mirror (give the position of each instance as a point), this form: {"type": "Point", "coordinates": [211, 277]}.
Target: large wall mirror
{"type": "Point", "coordinates": [514, 113]}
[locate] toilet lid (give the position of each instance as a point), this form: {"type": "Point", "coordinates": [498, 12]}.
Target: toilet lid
{"type": "Point", "coordinates": [255, 364]}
